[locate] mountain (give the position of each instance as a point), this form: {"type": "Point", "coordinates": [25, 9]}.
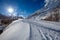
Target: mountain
{"type": "Point", "coordinates": [53, 15]}
{"type": "Point", "coordinates": [48, 7]}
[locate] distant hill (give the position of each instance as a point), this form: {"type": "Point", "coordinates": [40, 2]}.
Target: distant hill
{"type": "Point", "coordinates": [6, 20]}
{"type": "Point", "coordinates": [9, 17]}
{"type": "Point", "coordinates": [3, 16]}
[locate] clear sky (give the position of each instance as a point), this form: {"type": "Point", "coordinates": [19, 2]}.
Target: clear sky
{"type": "Point", "coordinates": [20, 7]}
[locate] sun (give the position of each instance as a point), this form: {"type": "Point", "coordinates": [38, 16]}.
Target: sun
{"type": "Point", "coordinates": [10, 10]}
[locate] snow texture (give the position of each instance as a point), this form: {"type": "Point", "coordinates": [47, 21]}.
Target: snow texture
{"type": "Point", "coordinates": [31, 30]}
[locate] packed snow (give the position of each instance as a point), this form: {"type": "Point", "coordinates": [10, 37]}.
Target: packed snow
{"type": "Point", "coordinates": [16, 31]}
{"type": "Point", "coordinates": [31, 30]}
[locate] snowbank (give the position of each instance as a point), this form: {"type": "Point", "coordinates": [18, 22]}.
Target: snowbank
{"type": "Point", "coordinates": [16, 31]}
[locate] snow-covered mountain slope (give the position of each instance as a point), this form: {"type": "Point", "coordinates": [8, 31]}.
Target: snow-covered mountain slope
{"type": "Point", "coordinates": [53, 15]}
{"type": "Point", "coordinates": [31, 30]}
{"type": "Point", "coordinates": [48, 7]}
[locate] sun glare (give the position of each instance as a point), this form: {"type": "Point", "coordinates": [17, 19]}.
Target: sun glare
{"type": "Point", "coordinates": [10, 10]}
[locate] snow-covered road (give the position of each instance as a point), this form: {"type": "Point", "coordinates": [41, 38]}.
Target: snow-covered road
{"type": "Point", "coordinates": [31, 30]}
{"type": "Point", "coordinates": [47, 30]}
{"type": "Point", "coordinates": [45, 24]}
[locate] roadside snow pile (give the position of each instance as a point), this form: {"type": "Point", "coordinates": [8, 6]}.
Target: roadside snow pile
{"type": "Point", "coordinates": [16, 31]}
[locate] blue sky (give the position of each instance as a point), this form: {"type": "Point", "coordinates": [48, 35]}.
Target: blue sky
{"type": "Point", "coordinates": [21, 7]}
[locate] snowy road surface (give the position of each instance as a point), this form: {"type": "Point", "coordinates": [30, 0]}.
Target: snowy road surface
{"type": "Point", "coordinates": [31, 30]}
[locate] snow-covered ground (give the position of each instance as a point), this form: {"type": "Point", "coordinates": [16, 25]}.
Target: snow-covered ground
{"type": "Point", "coordinates": [49, 24]}
{"type": "Point", "coordinates": [31, 30]}
{"type": "Point", "coordinates": [17, 30]}
{"type": "Point", "coordinates": [34, 28]}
